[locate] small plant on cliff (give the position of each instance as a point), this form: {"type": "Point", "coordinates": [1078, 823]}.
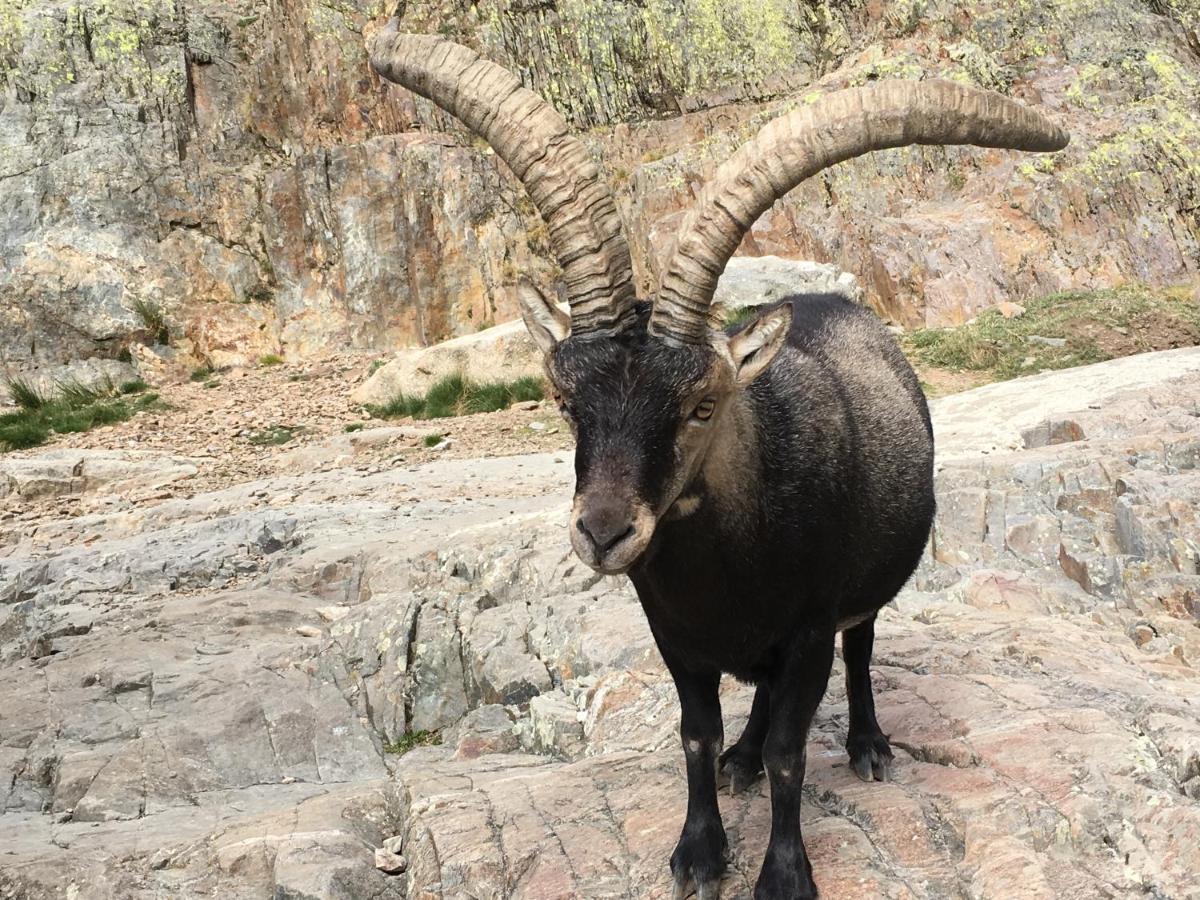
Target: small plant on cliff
{"type": "Point", "coordinates": [76, 407]}
{"type": "Point", "coordinates": [456, 395]}
{"type": "Point", "coordinates": [275, 436]}
{"type": "Point", "coordinates": [270, 359]}
{"type": "Point", "coordinates": [412, 740]}
{"type": "Point", "coordinates": [153, 320]}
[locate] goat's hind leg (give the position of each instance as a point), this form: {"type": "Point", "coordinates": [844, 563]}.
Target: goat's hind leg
{"type": "Point", "coordinates": [796, 691]}
{"type": "Point", "coordinates": [742, 764]}
{"type": "Point", "coordinates": [870, 752]}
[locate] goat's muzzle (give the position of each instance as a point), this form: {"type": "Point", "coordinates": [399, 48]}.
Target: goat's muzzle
{"type": "Point", "coordinates": [609, 534]}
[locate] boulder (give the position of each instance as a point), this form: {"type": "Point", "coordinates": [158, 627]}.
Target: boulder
{"type": "Point", "coordinates": [502, 353]}
{"type": "Point", "coordinates": [758, 280]}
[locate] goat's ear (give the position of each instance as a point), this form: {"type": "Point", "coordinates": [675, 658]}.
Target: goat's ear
{"type": "Point", "coordinates": [546, 322]}
{"type": "Point", "coordinates": [754, 347]}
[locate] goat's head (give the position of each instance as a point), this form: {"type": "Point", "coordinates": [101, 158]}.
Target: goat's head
{"type": "Point", "coordinates": [645, 388]}
{"type": "Point", "coordinates": [644, 410]}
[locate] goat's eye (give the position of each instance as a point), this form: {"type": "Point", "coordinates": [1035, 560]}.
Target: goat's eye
{"type": "Point", "coordinates": [704, 409]}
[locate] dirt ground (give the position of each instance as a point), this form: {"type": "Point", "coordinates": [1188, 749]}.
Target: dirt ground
{"type": "Point", "coordinates": [219, 425]}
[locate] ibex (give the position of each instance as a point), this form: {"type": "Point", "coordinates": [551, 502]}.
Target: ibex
{"type": "Point", "coordinates": [765, 487]}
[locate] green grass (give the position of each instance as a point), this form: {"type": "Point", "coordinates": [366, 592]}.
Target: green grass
{"type": "Point", "coordinates": [354, 426]}
{"type": "Point", "coordinates": [275, 436]}
{"type": "Point", "coordinates": [201, 374]}
{"type": "Point", "coordinates": [1008, 348]}
{"type": "Point", "coordinates": [412, 740]}
{"type": "Point", "coordinates": [270, 359]}
{"type": "Point", "coordinates": [455, 395]}
{"type": "Point", "coordinates": [740, 314]}
{"type": "Point", "coordinates": [25, 395]}
{"type": "Point", "coordinates": [76, 408]}
{"type": "Point", "coordinates": [432, 440]}
{"type": "Point", "coordinates": [153, 320]}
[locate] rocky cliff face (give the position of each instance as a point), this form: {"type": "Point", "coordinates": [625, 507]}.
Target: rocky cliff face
{"type": "Point", "coordinates": [239, 165]}
{"type": "Point", "coordinates": [205, 692]}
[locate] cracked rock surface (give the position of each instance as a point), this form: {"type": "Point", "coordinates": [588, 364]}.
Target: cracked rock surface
{"type": "Point", "coordinates": [206, 696]}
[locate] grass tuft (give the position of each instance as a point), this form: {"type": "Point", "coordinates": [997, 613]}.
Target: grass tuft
{"type": "Point", "coordinates": [22, 432]}
{"type": "Point", "coordinates": [412, 740]}
{"type": "Point", "coordinates": [456, 395]}
{"type": "Point", "coordinates": [77, 408]}
{"type": "Point", "coordinates": [153, 319]}
{"type": "Point", "coordinates": [25, 395]}
{"type": "Point", "coordinates": [740, 314]}
{"type": "Point", "coordinates": [275, 436]}
{"type": "Point", "coordinates": [432, 440]}
{"type": "Point", "coordinates": [77, 395]}
{"type": "Point", "coordinates": [270, 359]}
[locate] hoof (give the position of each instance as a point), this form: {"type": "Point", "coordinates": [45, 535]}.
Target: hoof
{"type": "Point", "coordinates": [786, 876]}
{"type": "Point", "coordinates": [698, 862]}
{"type": "Point", "coordinates": [870, 756]}
{"type": "Point", "coordinates": [740, 768]}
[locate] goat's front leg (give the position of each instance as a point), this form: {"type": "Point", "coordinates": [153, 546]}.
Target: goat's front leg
{"type": "Point", "coordinates": [700, 856]}
{"type": "Point", "coordinates": [796, 691]}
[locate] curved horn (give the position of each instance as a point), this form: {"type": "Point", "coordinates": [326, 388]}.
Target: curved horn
{"type": "Point", "coordinates": [534, 140]}
{"type": "Point", "coordinates": [800, 144]}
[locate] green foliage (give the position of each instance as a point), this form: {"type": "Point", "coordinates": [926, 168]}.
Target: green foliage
{"type": "Point", "coordinates": [354, 426]}
{"type": "Point", "coordinates": [455, 395]}
{"type": "Point", "coordinates": [153, 320]}
{"type": "Point", "coordinates": [270, 359]}
{"type": "Point", "coordinates": [432, 440]}
{"type": "Point", "coordinates": [739, 314]}
{"type": "Point", "coordinates": [376, 365]}
{"type": "Point", "coordinates": [25, 395]}
{"type": "Point", "coordinates": [1008, 348]}
{"type": "Point", "coordinates": [274, 436]}
{"type": "Point", "coordinates": [77, 395]}
{"type": "Point", "coordinates": [76, 408]}
{"type": "Point", "coordinates": [201, 374]}
{"type": "Point", "coordinates": [22, 432]}
{"type": "Point", "coordinates": [412, 740]}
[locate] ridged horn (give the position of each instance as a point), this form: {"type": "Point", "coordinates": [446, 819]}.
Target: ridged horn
{"type": "Point", "coordinates": [800, 144]}
{"type": "Point", "coordinates": [536, 144]}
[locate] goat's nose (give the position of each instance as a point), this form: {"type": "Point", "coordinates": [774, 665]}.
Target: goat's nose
{"type": "Point", "coordinates": [605, 527]}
